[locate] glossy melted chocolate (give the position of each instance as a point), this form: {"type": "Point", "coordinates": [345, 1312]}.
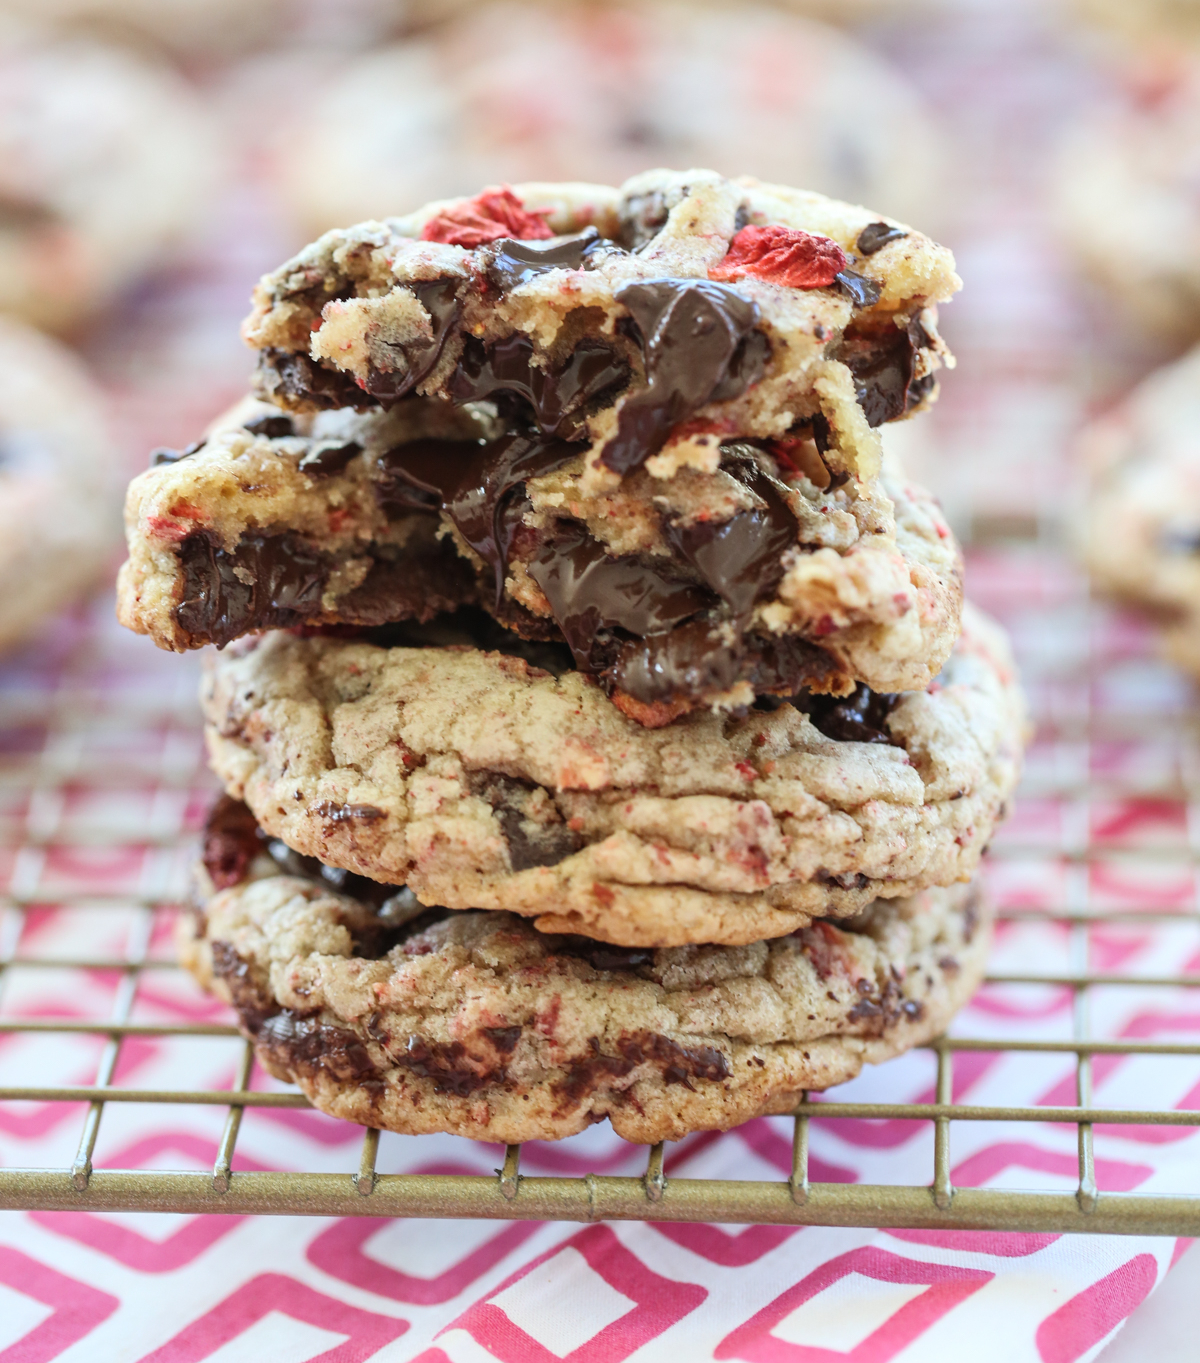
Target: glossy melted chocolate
{"type": "Point", "coordinates": [517, 262]}
{"type": "Point", "coordinates": [881, 360]}
{"type": "Point", "coordinates": [699, 344]}
{"type": "Point", "coordinates": [278, 581]}
{"type": "Point", "coordinates": [558, 400]}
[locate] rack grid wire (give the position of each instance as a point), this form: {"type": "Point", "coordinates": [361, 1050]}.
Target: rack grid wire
{"type": "Point", "coordinates": [77, 743]}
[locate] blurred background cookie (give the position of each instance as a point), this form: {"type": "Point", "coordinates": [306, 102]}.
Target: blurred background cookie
{"type": "Point", "coordinates": [1141, 533]}
{"type": "Point", "coordinates": [59, 484]}
{"type": "Point", "coordinates": [106, 159]}
{"type": "Point", "coordinates": [531, 92]}
{"type": "Point", "coordinates": [1128, 192]}
{"type": "Point", "coordinates": [200, 29]}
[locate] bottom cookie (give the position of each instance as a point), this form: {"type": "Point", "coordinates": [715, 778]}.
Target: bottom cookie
{"type": "Point", "coordinates": [424, 1020]}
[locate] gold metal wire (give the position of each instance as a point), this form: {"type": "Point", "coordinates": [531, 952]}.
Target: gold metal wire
{"type": "Point", "coordinates": [37, 784]}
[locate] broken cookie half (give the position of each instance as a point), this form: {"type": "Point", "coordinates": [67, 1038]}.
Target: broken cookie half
{"type": "Point", "coordinates": [637, 422]}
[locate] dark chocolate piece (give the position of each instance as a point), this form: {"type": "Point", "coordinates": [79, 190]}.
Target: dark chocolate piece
{"type": "Point", "coordinates": [230, 842]}
{"type": "Point", "coordinates": [592, 594]}
{"type": "Point", "coordinates": [473, 481]}
{"type": "Point", "coordinates": [417, 359]}
{"type": "Point", "coordinates": [876, 235]}
{"type": "Point", "coordinates": [163, 455]}
{"type": "Point", "coordinates": [323, 461]}
{"type": "Point", "coordinates": [529, 843]}
{"type": "Point", "coordinates": [858, 718]}
{"type": "Point", "coordinates": [741, 558]}
{"type": "Point", "coordinates": [698, 658]}
{"type": "Point", "coordinates": [861, 291]}
{"type": "Point", "coordinates": [559, 398]}
{"type": "Point", "coordinates": [517, 262]}
{"type": "Point", "coordinates": [642, 218]}
{"type": "Point", "coordinates": [277, 582]}
{"type": "Point", "coordinates": [304, 1045]}
{"type": "Point", "coordinates": [603, 955]}
{"type": "Point", "coordinates": [678, 1064]}
{"type": "Point", "coordinates": [284, 376]}
{"type": "Point", "coordinates": [881, 359]}
{"type": "Point", "coordinates": [699, 344]}
{"type": "Point", "coordinates": [450, 1065]}
{"type": "Point", "coordinates": [273, 427]}
{"type": "Point", "coordinates": [251, 1000]}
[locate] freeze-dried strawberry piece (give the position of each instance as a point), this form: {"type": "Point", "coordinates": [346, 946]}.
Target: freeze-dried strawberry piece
{"type": "Point", "coordinates": [784, 255]}
{"type": "Point", "coordinates": [487, 217]}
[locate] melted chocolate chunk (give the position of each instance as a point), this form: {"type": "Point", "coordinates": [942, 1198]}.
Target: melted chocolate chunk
{"type": "Point", "coordinates": [163, 455]}
{"type": "Point", "coordinates": [230, 842]}
{"type": "Point", "coordinates": [475, 483]}
{"type": "Point", "coordinates": [591, 593]}
{"type": "Point", "coordinates": [602, 955]}
{"type": "Point", "coordinates": [699, 345]}
{"type": "Point", "coordinates": [858, 718]}
{"type": "Point", "coordinates": [517, 262]}
{"type": "Point", "coordinates": [881, 360]}
{"type": "Point", "coordinates": [306, 1046]}
{"type": "Point", "coordinates": [642, 218]}
{"type": "Point", "coordinates": [741, 558]}
{"type": "Point", "coordinates": [278, 581]}
{"type": "Point", "coordinates": [503, 1038]}
{"type": "Point", "coordinates": [335, 878]}
{"type": "Point", "coordinates": [876, 235]}
{"type": "Point", "coordinates": [273, 427]}
{"type": "Point", "coordinates": [529, 843]}
{"type": "Point", "coordinates": [251, 1000]}
{"type": "Point", "coordinates": [861, 291]}
{"type": "Point", "coordinates": [450, 1065]}
{"type": "Point", "coordinates": [698, 659]}
{"type": "Point", "coordinates": [439, 298]}
{"type": "Point", "coordinates": [558, 398]}
{"type": "Point", "coordinates": [285, 377]}
{"type": "Point", "coordinates": [678, 1064]}
{"type": "Point", "coordinates": [322, 461]}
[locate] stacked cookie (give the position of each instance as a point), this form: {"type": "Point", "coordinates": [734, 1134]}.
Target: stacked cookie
{"type": "Point", "coordinates": [603, 731]}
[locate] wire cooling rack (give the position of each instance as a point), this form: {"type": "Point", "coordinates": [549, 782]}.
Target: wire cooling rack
{"type": "Point", "coordinates": [101, 771]}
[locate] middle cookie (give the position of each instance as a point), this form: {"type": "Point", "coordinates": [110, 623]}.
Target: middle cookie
{"type": "Point", "coordinates": [482, 781]}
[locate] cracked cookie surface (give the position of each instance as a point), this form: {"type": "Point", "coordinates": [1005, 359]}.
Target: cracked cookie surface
{"type": "Point", "coordinates": [483, 780]}
{"type": "Point", "coordinates": [477, 1024]}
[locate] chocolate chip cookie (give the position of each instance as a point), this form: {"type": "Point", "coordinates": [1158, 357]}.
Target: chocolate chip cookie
{"type": "Point", "coordinates": [105, 159]}
{"type": "Point", "coordinates": [629, 323]}
{"type": "Point", "coordinates": [752, 575]}
{"type": "Point", "coordinates": [1141, 531]}
{"type": "Point", "coordinates": [422, 1020]}
{"type": "Point", "coordinates": [59, 482]}
{"type": "Point", "coordinates": [505, 780]}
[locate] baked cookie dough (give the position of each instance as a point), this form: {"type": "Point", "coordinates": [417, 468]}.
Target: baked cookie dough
{"type": "Point", "coordinates": [106, 159]}
{"type": "Point", "coordinates": [1141, 532]}
{"type": "Point", "coordinates": [483, 780]}
{"type": "Point", "coordinates": [519, 92]}
{"type": "Point", "coordinates": [710, 585]}
{"type": "Point", "coordinates": [59, 484]}
{"type": "Point", "coordinates": [638, 323]}
{"type": "Point", "coordinates": [1127, 202]}
{"type": "Point", "coordinates": [479, 1025]}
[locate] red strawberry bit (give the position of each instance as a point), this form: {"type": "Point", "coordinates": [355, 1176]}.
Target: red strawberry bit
{"type": "Point", "coordinates": [783, 255]}
{"type": "Point", "coordinates": [746, 770]}
{"type": "Point", "coordinates": [487, 217]}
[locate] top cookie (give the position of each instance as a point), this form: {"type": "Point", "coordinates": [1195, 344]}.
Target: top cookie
{"type": "Point", "coordinates": [642, 322]}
